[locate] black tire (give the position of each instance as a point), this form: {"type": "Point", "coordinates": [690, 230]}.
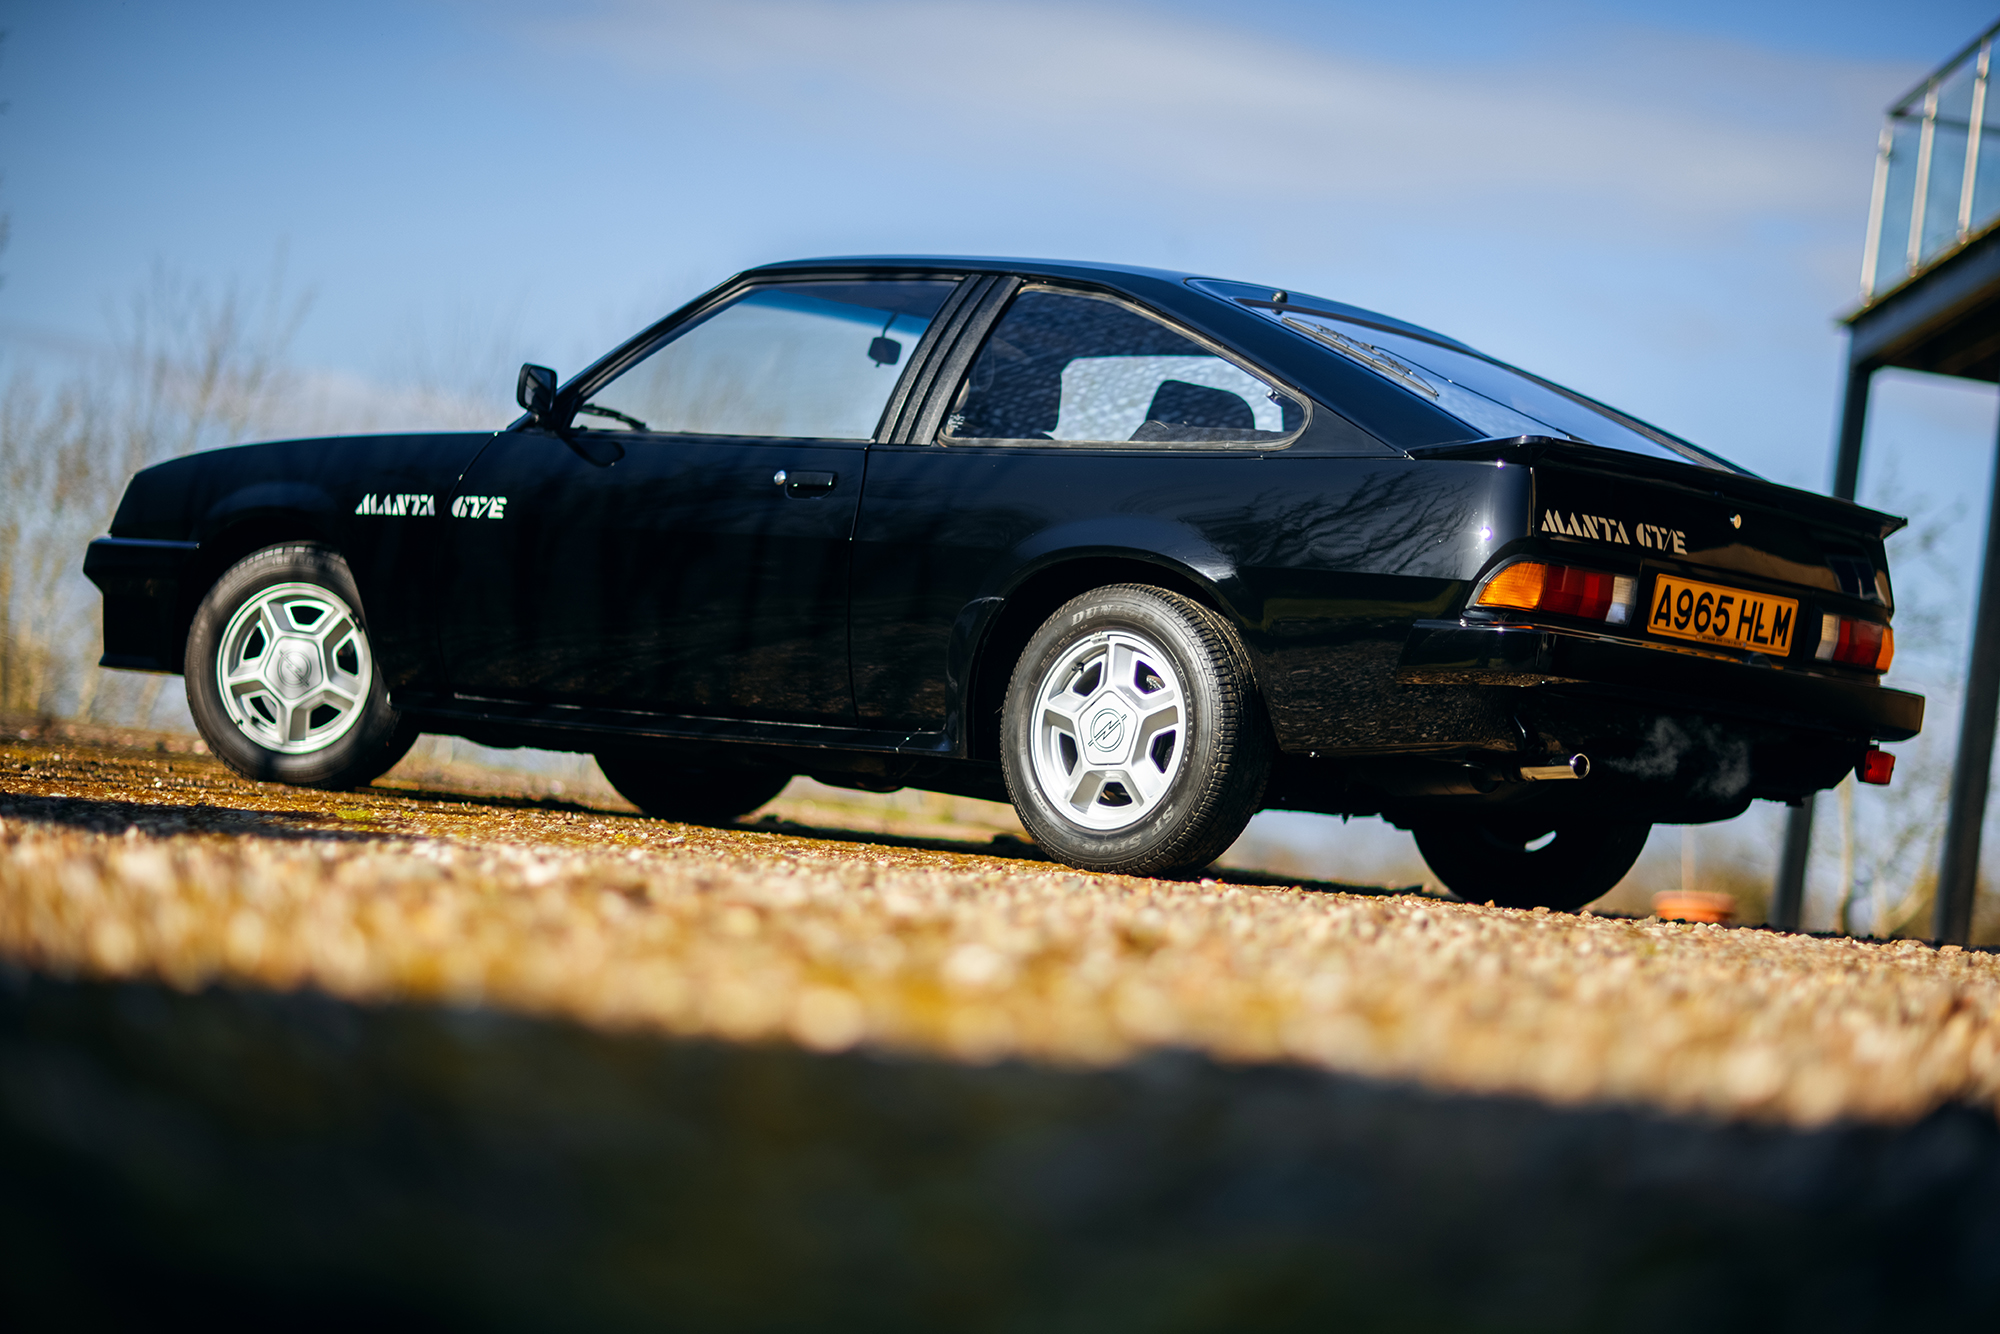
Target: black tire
{"type": "Point", "coordinates": [361, 737]}
{"type": "Point", "coordinates": [1488, 860]}
{"type": "Point", "coordinates": [1072, 784]}
{"type": "Point", "coordinates": [664, 787]}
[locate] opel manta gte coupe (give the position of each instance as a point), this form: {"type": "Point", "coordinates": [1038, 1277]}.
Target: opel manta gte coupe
{"type": "Point", "coordinates": [1140, 552]}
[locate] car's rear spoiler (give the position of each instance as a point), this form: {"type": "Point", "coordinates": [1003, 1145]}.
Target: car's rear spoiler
{"type": "Point", "coordinates": [1533, 449]}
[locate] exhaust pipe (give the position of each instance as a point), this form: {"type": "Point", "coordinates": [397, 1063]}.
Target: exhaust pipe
{"type": "Point", "coordinates": [1576, 766]}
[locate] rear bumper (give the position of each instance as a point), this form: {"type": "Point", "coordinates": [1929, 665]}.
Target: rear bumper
{"type": "Point", "coordinates": [1462, 653]}
{"type": "Point", "coordinates": [144, 587]}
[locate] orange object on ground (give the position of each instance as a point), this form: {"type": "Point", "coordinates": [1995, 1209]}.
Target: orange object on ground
{"type": "Point", "coordinates": [1687, 905]}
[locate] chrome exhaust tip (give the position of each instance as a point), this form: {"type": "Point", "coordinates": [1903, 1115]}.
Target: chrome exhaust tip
{"type": "Point", "coordinates": [1576, 766]}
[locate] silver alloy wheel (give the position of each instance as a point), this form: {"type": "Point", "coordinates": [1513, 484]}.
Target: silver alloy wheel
{"type": "Point", "coordinates": [293, 668]}
{"type": "Point", "coordinates": [1108, 730]}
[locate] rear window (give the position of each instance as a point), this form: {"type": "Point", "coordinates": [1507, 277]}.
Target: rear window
{"type": "Point", "coordinates": [1083, 369]}
{"type": "Point", "coordinates": [1493, 399]}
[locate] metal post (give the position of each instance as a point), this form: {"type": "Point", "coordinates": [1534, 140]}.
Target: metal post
{"type": "Point", "coordinates": [1871, 249]}
{"type": "Point", "coordinates": [1974, 123]}
{"type": "Point", "coordinates": [1789, 895]}
{"type": "Point", "coordinates": [1853, 420]}
{"type": "Point", "coordinates": [1925, 138]}
{"type": "Point", "coordinates": [1958, 869]}
{"type": "Point", "coordinates": [1788, 900]}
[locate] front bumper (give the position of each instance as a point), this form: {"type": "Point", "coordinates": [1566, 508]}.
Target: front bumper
{"type": "Point", "coordinates": [1469, 653]}
{"type": "Point", "coordinates": [145, 606]}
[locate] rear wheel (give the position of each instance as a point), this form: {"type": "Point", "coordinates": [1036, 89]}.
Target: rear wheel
{"type": "Point", "coordinates": [281, 678]}
{"type": "Point", "coordinates": [1518, 863]}
{"type": "Point", "coordinates": [667, 789]}
{"type": "Point", "coordinates": [1132, 739]}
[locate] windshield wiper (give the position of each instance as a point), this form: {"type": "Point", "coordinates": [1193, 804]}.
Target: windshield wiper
{"type": "Point", "coordinates": [593, 410]}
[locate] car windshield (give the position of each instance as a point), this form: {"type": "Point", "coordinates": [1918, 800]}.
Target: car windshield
{"type": "Point", "coordinates": [810, 359]}
{"type": "Point", "coordinates": [1493, 399]}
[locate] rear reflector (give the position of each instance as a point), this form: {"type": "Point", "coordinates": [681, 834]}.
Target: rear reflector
{"type": "Point", "coordinates": [1856, 643]}
{"type": "Point", "coordinates": [1565, 590]}
{"type": "Point", "coordinates": [1877, 767]}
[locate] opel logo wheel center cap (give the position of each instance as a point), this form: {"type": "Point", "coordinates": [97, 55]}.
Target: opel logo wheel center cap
{"type": "Point", "coordinates": [294, 667]}
{"type": "Point", "coordinates": [1107, 731]}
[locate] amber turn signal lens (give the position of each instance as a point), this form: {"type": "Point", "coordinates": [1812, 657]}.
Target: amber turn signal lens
{"type": "Point", "coordinates": [1519, 585]}
{"type": "Point", "coordinates": [1532, 585]}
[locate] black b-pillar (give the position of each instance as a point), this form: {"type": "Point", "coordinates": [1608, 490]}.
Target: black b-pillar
{"type": "Point", "coordinates": [1958, 868]}
{"type": "Point", "coordinates": [1788, 902]}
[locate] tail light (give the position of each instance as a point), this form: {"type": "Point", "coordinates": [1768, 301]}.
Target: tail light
{"type": "Point", "coordinates": [1565, 590]}
{"type": "Point", "coordinates": [1877, 767]}
{"type": "Point", "coordinates": [1856, 643]}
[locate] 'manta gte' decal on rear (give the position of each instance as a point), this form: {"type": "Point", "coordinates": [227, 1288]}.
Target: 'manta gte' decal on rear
{"type": "Point", "coordinates": [398, 506]}
{"type": "Point", "coordinates": [1598, 528]}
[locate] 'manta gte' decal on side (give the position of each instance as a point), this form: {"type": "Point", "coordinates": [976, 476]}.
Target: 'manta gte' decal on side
{"type": "Point", "coordinates": [1598, 528]}
{"type": "Point", "coordinates": [479, 507]}
{"type": "Point", "coordinates": [398, 506]}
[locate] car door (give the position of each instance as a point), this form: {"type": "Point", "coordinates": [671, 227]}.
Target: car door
{"type": "Point", "coordinates": [1081, 422]}
{"type": "Point", "coordinates": [682, 546]}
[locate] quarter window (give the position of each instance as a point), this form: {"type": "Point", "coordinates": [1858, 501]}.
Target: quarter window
{"type": "Point", "coordinates": [1070, 367]}
{"type": "Point", "coordinates": [814, 360]}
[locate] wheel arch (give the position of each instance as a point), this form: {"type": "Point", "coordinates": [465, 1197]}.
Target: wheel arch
{"type": "Point", "coordinates": [1034, 597]}
{"type": "Point", "coordinates": [239, 536]}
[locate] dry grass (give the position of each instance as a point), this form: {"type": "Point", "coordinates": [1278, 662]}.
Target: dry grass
{"type": "Point", "coordinates": [117, 862]}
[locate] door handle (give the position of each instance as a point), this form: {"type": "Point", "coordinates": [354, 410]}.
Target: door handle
{"type": "Point", "coordinates": [805, 483]}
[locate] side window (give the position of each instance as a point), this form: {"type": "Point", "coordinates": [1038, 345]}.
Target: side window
{"type": "Point", "coordinates": [808, 359]}
{"type": "Point", "coordinates": [1071, 367]}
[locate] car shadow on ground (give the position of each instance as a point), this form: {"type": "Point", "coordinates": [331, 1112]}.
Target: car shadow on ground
{"type": "Point", "coordinates": [330, 821]}
{"type": "Point", "coordinates": [1013, 848]}
{"type": "Point", "coordinates": [166, 819]}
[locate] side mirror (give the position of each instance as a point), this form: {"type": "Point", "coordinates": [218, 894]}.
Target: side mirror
{"type": "Point", "coordinates": [536, 391]}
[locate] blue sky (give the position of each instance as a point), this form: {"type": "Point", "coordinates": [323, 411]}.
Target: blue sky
{"type": "Point", "coordinates": [1661, 205]}
{"type": "Point", "coordinates": [1663, 210]}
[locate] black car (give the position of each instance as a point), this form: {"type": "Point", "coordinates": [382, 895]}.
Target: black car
{"type": "Point", "coordinates": [1141, 552]}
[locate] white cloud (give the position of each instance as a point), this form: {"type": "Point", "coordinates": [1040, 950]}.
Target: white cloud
{"type": "Point", "coordinates": [1669, 129]}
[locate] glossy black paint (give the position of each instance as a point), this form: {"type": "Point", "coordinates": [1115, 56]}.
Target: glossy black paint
{"type": "Point", "coordinates": [234, 501]}
{"type": "Point", "coordinates": [1276, 540]}
{"type": "Point", "coordinates": [858, 619]}
{"type": "Point", "coordinates": [680, 579]}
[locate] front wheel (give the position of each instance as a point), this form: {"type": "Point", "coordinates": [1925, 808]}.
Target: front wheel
{"type": "Point", "coordinates": [1132, 739]}
{"type": "Point", "coordinates": [281, 678]}
{"type": "Point", "coordinates": [1516, 863]}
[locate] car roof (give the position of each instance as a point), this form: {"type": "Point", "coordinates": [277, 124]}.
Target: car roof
{"type": "Point", "coordinates": [1094, 271]}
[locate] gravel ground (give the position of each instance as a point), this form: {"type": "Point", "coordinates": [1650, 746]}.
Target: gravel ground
{"type": "Point", "coordinates": [129, 863]}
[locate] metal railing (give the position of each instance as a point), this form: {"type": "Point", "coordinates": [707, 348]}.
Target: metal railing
{"type": "Point", "coordinates": [1937, 173]}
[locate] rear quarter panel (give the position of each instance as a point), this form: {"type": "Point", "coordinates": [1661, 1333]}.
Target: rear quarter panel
{"type": "Point", "coordinates": [1320, 562]}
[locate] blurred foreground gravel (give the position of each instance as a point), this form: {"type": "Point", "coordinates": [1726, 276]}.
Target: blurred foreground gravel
{"type": "Point", "coordinates": [439, 1052]}
{"type": "Point", "coordinates": [118, 863]}
{"type": "Point", "coordinates": [234, 1159]}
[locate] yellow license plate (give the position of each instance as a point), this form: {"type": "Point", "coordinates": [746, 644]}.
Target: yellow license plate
{"type": "Point", "coordinates": [1712, 614]}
